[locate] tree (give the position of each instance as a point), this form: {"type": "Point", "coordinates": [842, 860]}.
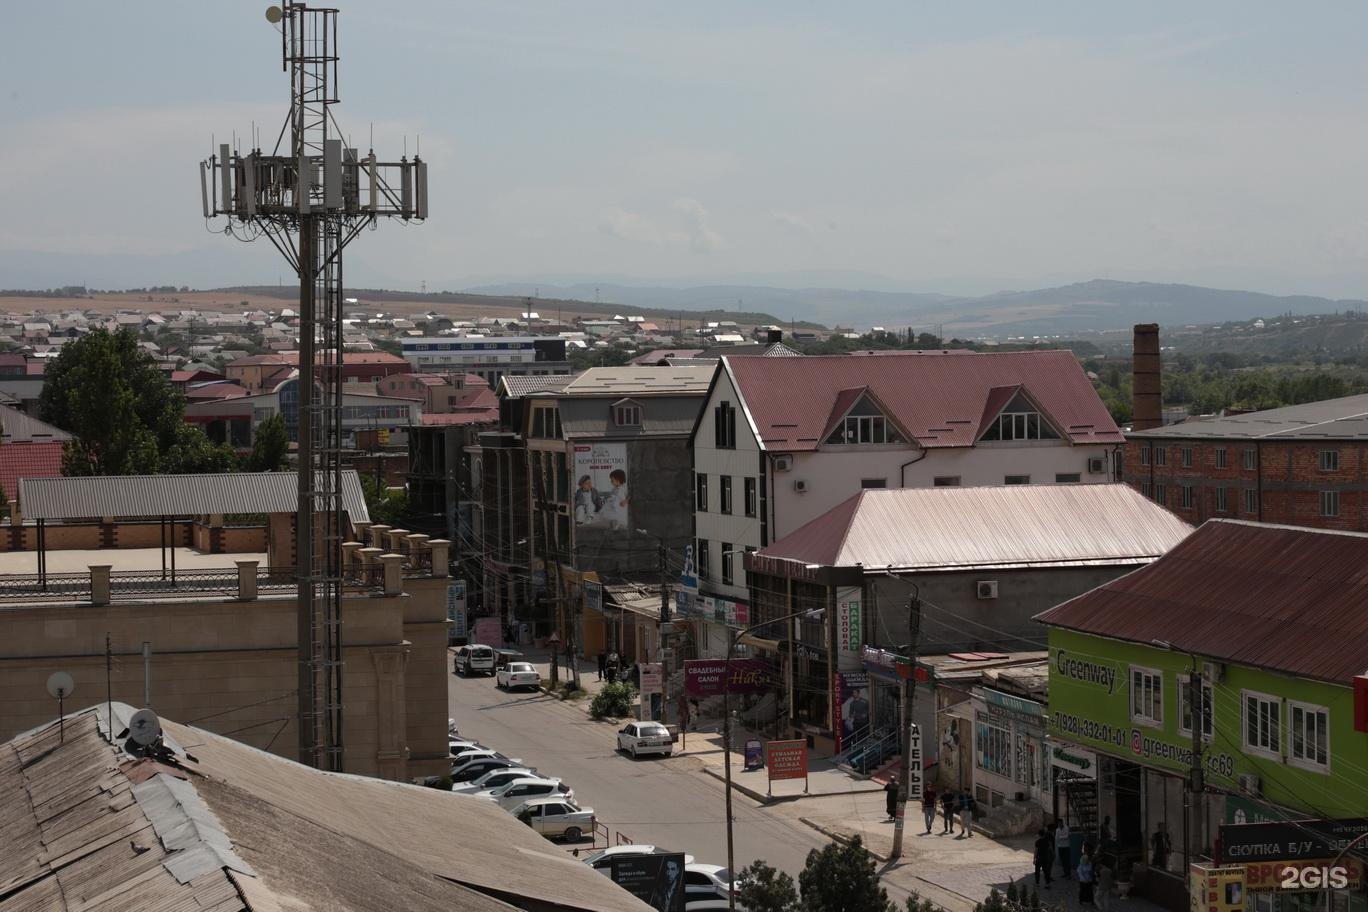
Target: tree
{"type": "Point", "coordinates": [270, 445]}
{"type": "Point", "coordinates": [761, 888]}
{"type": "Point", "coordinates": [384, 504]}
{"type": "Point", "coordinates": [841, 878]}
{"type": "Point", "coordinates": [125, 418]}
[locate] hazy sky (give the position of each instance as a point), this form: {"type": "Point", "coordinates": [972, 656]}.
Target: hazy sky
{"type": "Point", "coordinates": [950, 146]}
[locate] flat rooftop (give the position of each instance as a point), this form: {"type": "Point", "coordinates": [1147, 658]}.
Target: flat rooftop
{"type": "Point", "coordinates": [123, 559]}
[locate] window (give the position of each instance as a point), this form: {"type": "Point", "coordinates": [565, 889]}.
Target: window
{"type": "Point", "coordinates": [1250, 456]}
{"type": "Point", "coordinates": [864, 429]}
{"type": "Point", "coordinates": [701, 492]}
{"type": "Point", "coordinates": [1329, 460]}
{"type": "Point", "coordinates": [1145, 455]}
{"type": "Point", "coordinates": [1161, 494]}
{"type": "Point", "coordinates": [1187, 457]}
{"type": "Point", "coordinates": [1220, 457]}
{"type": "Point", "coordinates": [1147, 695]}
{"type": "Point", "coordinates": [1147, 489]}
{"type": "Point", "coordinates": [724, 494]}
{"type": "Point", "coordinates": [724, 426]}
{"type": "Point", "coordinates": [1222, 502]}
{"type": "Point", "coordinates": [1262, 722]}
{"type": "Point", "coordinates": [751, 499]}
{"type": "Point", "coordinates": [727, 555]}
{"type": "Point", "coordinates": [1160, 456]}
{"type": "Point", "coordinates": [701, 559]}
{"type": "Point", "coordinates": [873, 482]}
{"type": "Point", "coordinates": [1068, 477]}
{"type": "Point", "coordinates": [627, 414]}
{"type": "Point", "coordinates": [1185, 704]}
{"type": "Point", "coordinates": [946, 481]}
{"type": "Point", "coordinates": [1251, 500]}
{"type": "Point", "coordinates": [1310, 734]}
{"type": "Point", "coordinates": [1016, 479]}
{"type": "Point", "coordinates": [1187, 496]}
{"type": "Point", "coordinates": [1329, 503]}
{"type": "Point", "coordinates": [994, 747]}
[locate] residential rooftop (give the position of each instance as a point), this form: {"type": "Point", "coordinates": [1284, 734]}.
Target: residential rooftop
{"type": "Point", "coordinates": [1345, 418]}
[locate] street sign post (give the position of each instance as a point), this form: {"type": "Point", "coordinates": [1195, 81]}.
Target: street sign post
{"type": "Point", "coordinates": [787, 760]}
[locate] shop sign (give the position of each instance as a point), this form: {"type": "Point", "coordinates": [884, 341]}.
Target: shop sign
{"type": "Point", "coordinates": [885, 664]}
{"type": "Point", "coordinates": [1242, 810]}
{"type": "Point", "coordinates": [850, 700]}
{"type": "Point", "coordinates": [1298, 875]}
{"type": "Point", "coordinates": [1001, 704]}
{"type": "Point", "coordinates": [737, 614]}
{"type": "Point", "coordinates": [651, 678]}
{"type": "Point", "coordinates": [489, 631]}
{"type": "Point", "coordinates": [1139, 742]}
{"type": "Point", "coordinates": [593, 596]}
{"type": "Point", "coordinates": [1213, 889]}
{"type": "Point", "coordinates": [688, 578]}
{"type": "Point", "coordinates": [456, 607]}
{"type": "Point", "coordinates": [686, 602]}
{"type": "Point", "coordinates": [1101, 674]}
{"type": "Point", "coordinates": [849, 627]}
{"type": "Point", "coordinates": [1074, 759]}
{"type": "Point", "coordinates": [786, 759]}
{"type": "Point", "coordinates": [915, 771]}
{"type": "Point", "coordinates": [1289, 840]}
{"type": "Point", "coordinates": [705, 677]}
{"type": "Point", "coordinates": [807, 652]}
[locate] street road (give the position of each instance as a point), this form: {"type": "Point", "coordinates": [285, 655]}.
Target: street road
{"type": "Point", "coordinates": [670, 803]}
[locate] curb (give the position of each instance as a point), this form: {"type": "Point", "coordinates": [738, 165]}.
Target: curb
{"type": "Point", "coordinates": [765, 799]}
{"type": "Point", "coordinates": [840, 837]}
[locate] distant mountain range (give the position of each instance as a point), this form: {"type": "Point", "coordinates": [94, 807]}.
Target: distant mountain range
{"type": "Point", "coordinates": [1096, 306]}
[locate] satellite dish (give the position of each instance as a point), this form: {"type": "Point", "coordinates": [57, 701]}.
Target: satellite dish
{"type": "Point", "coordinates": [273, 14]}
{"type": "Point", "coordinates": [60, 685]}
{"type": "Point", "coordinates": [144, 728]}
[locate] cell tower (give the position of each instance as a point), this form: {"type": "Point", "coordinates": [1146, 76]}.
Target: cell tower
{"type": "Point", "coordinates": [310, 197]}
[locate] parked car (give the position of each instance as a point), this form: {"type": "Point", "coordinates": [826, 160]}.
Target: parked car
{"type": "Point", "coordinates": [473, 769]}
{"type": "Point", "coordinates": [456, 745]}
{"type": "Point", "coordinates": [602, 860]}
{"type": "Point", "coordinates": [492, 779]}
{"type": "Point", "coordinates": [517, 674]}
{"type": "Point", "coordinates": [637, 738]}
{"type": "Point", "coordinates": [706, 904]}
{"type": "Point", "coordinates": [514, 793]}
{"type": "Point", "coordinates": [705, 881]}
{"type": "Point", "coordinates": [556, 817]}
{"type": "Point", "coordinates": [475, 659]}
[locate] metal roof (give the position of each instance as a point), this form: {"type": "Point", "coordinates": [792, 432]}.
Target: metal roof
{"type": "Point", "coordinates": [175, 495]}
{"type": "Point", "coordinates": [17, 427]}
{"type": "Point", "coordinates": [662, 415]}
{"type": "Point", "coordinates": [1345, 418]}
{"type": "Point", "coordinates": [639, 381]}
{"type": "Point", "coordinates": [1000, 527]}
{"type": "Point", "coordinates": [939, 397]}
{"type": "Point", "coordinates": [1284, 598]}
{"type": "Point", "coordinates": [515, 387]}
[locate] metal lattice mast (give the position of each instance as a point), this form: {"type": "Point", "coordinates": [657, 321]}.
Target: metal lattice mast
{"type": "Point", "coordinates": [310, 199]}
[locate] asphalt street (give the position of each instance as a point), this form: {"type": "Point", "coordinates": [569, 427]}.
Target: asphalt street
{"type": "Point", "coordinates": [664, 802]}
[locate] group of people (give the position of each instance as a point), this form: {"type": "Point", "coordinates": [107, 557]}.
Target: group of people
{"type": "Point", "coordinates": [609, 666]}
{"type": "Point", "coordinates": [953, 805]}
{"type": "Point", "coordinates": [1095, 869]}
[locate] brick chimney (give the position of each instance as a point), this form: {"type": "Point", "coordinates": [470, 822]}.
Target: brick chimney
{"type": "Point", "coordinates": [774, 335]}
{"type": "Point", "coordinates": [1147, 408]}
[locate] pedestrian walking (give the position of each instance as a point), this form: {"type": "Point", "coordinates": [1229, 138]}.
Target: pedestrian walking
{"type": "Point", "coordinates": [1044, 856]}
{"type": "Point", "coordinates": [948, 811]}
{"type": "Point", "coordinates": [1064, 849]}
{"type": "Point", "coordinates": [1086, 884]}
{"type": "Point", "coordinates": [929, 807]}
{"type": "Point", "coordinates": [891, 798]}
{"type": "Point", "coordinates": [1106, 877]}
{"type": "Point", "coordinates": [966, 813]}
{"type": "Point", "coordinates": [602, 663]}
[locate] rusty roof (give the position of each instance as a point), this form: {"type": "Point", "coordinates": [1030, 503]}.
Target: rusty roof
{"type": "Point", "coordinates": [1284, 598]}
{"type": "Point", "coordinates": [1001, 526]}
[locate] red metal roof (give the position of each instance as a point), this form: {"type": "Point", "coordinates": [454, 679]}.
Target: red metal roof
{"type": "Point", "coordinates": [456, 418]}
{"type": "Point", "coordinates": [28, 460]}
{"type": "Point", "coordinates": [938, 397]}
{"type": "Point", "coordinates": [1279, 597]}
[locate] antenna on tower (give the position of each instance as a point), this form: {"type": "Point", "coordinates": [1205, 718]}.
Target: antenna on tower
{"type": "Point", "coordinates": [310, 199]}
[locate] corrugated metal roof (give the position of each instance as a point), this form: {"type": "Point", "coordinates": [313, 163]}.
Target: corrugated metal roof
{"type": "Point", "coordinates": [175, 495]}
{"type": "Point", "coordinates": [661, 416]}
{"type": "Point", "coordinates": [1284, 598]}
{"type": "Point", "coordinates": [938, 397]}
{"type": "Point", "coordinates": [1345, 418]}
{"type": "Point", "coordinates": [639, 381]}
{"type": "Point", "coordinates": [517, 387]}
{"type": "Point", "coordinates": [1012, 525]}
{"type": "Point", "coordinates": [18, 427]}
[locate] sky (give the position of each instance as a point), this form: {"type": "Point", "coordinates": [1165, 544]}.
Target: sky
{"type": "Point", "coordinates": [953, 147]}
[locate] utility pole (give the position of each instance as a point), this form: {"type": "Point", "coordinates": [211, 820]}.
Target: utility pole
{"type": "Point", "coordinates": [664, 622]}
{"type": "Point", "coordinates": [1197, 708]}
{"type": "Point", "coordinates": [909, 693]}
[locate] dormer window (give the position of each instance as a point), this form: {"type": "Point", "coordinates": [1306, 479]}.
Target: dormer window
{"type": "Point", "coordinates": [627, 413]}
{"type": "Point", "coordinates": [1019, 420]}
{"type": "Point", "coordinates": [864, 424]}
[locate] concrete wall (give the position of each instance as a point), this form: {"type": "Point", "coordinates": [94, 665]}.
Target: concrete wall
{"type": "Point", "coordinates": [712, 525]}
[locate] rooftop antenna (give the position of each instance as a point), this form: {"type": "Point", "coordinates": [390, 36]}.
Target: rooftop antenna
{"type": "Point", "coordinates": [59, 687]}
{"type": "Point", "coordinates": [310, 197]}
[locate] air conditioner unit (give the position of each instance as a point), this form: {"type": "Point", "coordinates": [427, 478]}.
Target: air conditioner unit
{"type": "Point", "coordinates": [1213, 672]}
{"type": "Point", "coordinates": [800, 486]}
{"type": "Point", "coordinates": [1097, 465]}
{"type": "Point", "coordinates": [783, 463]}
{"type": "Point", "coordinates": [1249, 783]}
{"type": "Point", "coordinates": [987, 589]}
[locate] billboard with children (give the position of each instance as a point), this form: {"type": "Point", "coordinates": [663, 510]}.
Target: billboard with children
{"type": "Point", "coordinates": [600, 499]}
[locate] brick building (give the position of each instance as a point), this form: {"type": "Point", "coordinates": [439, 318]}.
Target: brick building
{"type": "Point", "coordinates": [1304, 465]}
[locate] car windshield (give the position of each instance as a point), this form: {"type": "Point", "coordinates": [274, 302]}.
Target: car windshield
{"type": "Point", "coordinates": [653, 731]}
{"type": "Point", "coordinates": [520, 666]}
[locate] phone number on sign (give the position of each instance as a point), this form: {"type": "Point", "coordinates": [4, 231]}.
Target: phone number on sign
{"type": "Point", "coordinates": [1070, 724]}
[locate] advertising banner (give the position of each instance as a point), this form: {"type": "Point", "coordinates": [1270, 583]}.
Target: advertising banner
{"type": "Point", "coordinates": [850, 695]}
{"type": "Point", "coordinates": [705, 677]}
{"type": "Point", "coordinates": [651, 678]}
{"type": "Point", "coordinates": [1289, 840]}
{"type": "Point", "coordinates": [915, 772]}
{"type": "Point", "coordinates": [786, 759]}
{"type": "Point", "coordinates": [488, 632]}
{"type": "Point", "coordinates": [601, 499]}
{"type": "Point", "coordinates": [593, 596]}
{"type": "Point", "coordinates": [657, 880]}
{"type": "Point", "coordinates": [456, 607]}
{"type": "Point", "coordinates": [688, 577]}
{"type": "Point", "coordinates": [1212, 889]}
{"type": "Point", "coordinates": [1303, 874]}
{"type": "Point", "coordinates": [849, 632]}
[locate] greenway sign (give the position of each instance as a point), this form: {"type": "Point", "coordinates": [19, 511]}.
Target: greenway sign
{"type": "Point", "coordinates": [1086, 670]}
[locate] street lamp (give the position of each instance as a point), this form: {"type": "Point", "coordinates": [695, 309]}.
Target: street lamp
{"type": "Point", "coordinates": [726, 737]}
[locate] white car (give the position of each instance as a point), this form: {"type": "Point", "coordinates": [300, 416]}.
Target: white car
{"type": "Point", "coordinates": [456, 745]}
{"type": "Point", "coordinates": [493, 779]}
{"type": "Point", "coordinates": [637, 738]}
{"type": "Point", "coordinates": [602, 860]}
{"type": "Point", "coordinates": [517, 674]}
{"type": "Point", "coordinates": [556, 817]}
{"type": "Point", "coordinates": [514, 793]}
{"type": "Point", "coordinates": [705, 881]}
{"type": "Point", "coordinates": [473, 659]}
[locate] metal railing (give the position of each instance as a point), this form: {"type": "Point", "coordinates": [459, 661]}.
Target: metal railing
{"type": "Point", "coordinates": [57, 587]}
{"type": "Point", "coordinates": [364, 576]}
{"type": "Point", "coordinates": [130, 584]}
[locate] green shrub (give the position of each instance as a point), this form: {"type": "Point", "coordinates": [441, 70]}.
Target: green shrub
{"type": "Point", "coordinates": [613, 701]}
